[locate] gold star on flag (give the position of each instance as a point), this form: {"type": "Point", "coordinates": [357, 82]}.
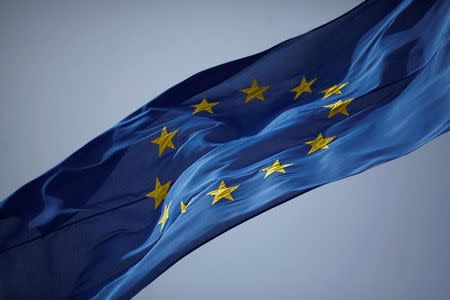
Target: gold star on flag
{"type": "Point", "coordinates": [333, 90]}
{"type": "Point", "coordinates": [165, 140]}
{"type": "Point", "coordinates": [275, 167]}
{"type": "Point", "coordinates": [319, 143]}
{"type": "Point", "coordinates": [223, 192]}
{"type": "Point", "coordinates": [159, 193]}
{"type": "Point", "coordinates": [204, 106]}
{"type": "Point", "coordinates": [303, 87]}
{"type": "Point", "coordinates": [339, 107]}
{"type": "Point", "coordinates": [183, 207]}
{"type": "Point", "coordinates": [165, 216]}
{"type": "Point", "coordinates": [255, 91]}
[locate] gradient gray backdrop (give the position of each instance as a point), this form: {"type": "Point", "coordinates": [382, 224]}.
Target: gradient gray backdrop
{"type": "Point", "coordinates": [71, 69]}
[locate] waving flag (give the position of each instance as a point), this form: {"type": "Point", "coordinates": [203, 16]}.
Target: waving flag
{"type": "Point", "coordinates": [226, 145]}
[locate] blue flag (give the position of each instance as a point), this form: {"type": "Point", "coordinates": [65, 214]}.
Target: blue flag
{"type": "Point", "coordinates": [226, 145]}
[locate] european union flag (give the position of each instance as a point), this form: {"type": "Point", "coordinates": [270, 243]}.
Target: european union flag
{"type": "Point", "coordinates": [226, 145]}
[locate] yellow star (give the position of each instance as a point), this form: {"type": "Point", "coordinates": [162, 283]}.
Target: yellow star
{"type": "Point", "coordinates": [165, 216]}
{"type": "Point", "coordinates": [222, 192]}
{"type": "Point", "coordinates": [255, 91]}
{"type": "Point", "coordinates": [319, 143]}
{"type": "Point", "coordinates": [204, 106]}
{"type": "Point", "coordinates": [276, 167]}
{"type": "Point", "coordinates": [339, 107]}
{"type": "Point", "coordinates": [165, 140]}
{"type": "Point", "coordinates": [159, 192]}
{"type": "Point", "coordinates": [183, 207]}
{"type": "Point", "coordinates": [333, 90]}
{"type": "Point", "coordinates": [303, 87]}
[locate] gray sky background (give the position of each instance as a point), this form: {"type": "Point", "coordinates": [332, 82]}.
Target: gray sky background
{"type": "Point", "coordinates": [71, 69]}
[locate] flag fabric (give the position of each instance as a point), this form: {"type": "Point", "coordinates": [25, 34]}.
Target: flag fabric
{"type": "Point", "coordinates": [226, 145]}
